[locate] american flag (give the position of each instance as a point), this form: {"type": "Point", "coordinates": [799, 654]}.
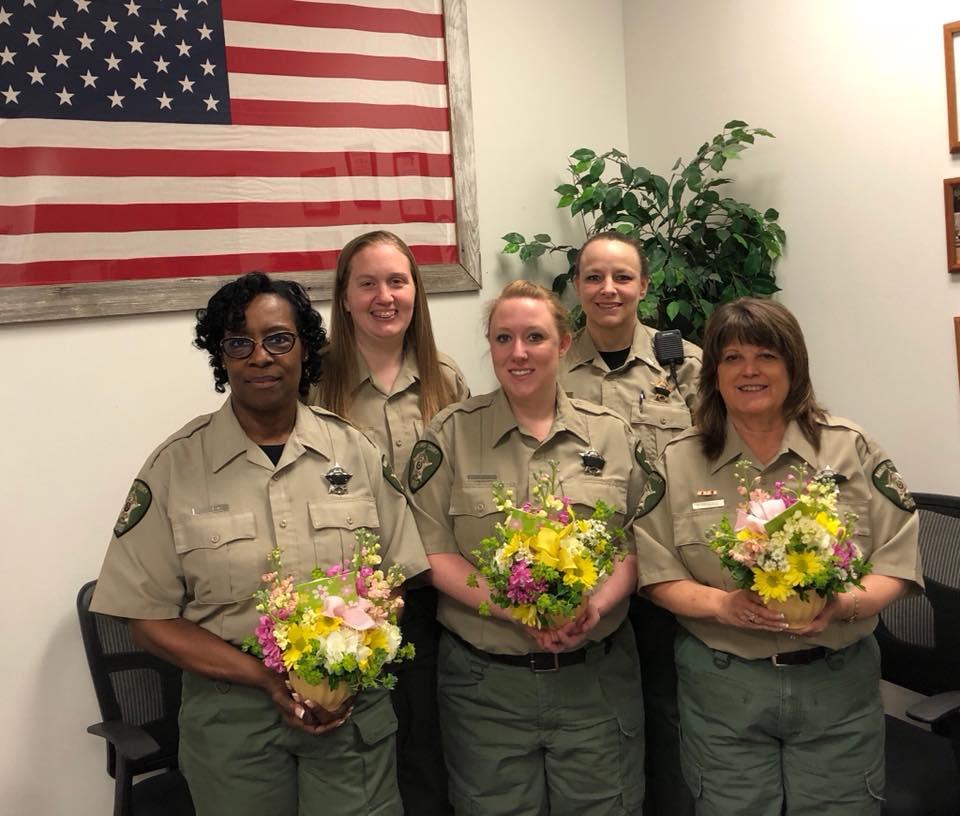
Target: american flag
{"type": "Point", "coordinates": [209, 137]}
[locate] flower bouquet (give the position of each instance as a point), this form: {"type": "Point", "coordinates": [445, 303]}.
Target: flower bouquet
{"type": "Point", "coordinates": [792, 547]}
{"type": "Point", "coordinates": [335, 633]}
{"type": "Point", "coordinates": [543, 562]}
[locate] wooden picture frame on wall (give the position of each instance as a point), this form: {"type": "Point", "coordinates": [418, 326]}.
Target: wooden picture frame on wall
{"type": "Point", "coordinates": [456, 267]}
{"type": "Point", "coordinates": [951, 211]}
{"type": "Point", "coordinates": [956, 334]}
{"type": "Point", "coordinates": [951, 33]}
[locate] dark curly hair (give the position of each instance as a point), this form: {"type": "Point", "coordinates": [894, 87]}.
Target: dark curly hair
{"type": "Point", "coordinates": [227, 310]}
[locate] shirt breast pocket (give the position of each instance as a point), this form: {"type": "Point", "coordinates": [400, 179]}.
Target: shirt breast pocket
{"type": "Point", "coordinates": [586, 491]}
{"type": "Point", "coordinates": [334, 521]}
{"type": "Point", "coordinates": [222, 559]}
{"type": "Point", "coordinates": [656, 423]}
{"type": "Point", "coordinates": [473, 514]}
{"type": "Point", "coordinates": [691, 534]}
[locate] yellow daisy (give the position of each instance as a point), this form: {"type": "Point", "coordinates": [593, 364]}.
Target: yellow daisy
{"type": "Point", "coordinates": [771, 585]}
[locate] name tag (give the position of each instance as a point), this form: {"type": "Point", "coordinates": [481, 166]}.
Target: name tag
{"type": "Point", "coordinates": [708, 505]}
{"type": "Point", "coordinates": [213, 508]}
{"type": "Point", "coordinates": [482, 477]}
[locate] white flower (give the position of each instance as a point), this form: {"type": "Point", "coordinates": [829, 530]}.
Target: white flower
{"type": "Point", "coordinates": [392, 632]}
{"type": "Point", "coordinates": [338, 644]}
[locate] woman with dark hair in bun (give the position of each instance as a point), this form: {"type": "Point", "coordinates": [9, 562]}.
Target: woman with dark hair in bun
{"type": "Point", "coordinates": [192, 543]}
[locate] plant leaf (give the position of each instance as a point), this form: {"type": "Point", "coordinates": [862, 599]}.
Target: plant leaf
{"type": "Point", "coordinates": [514, 238]}
{"type": "Point", "coordinates": [583, 154]}
{"type": "Point", "coordinates": [734, 123]}
{"type": "Point", "coordinates": [567, 189]}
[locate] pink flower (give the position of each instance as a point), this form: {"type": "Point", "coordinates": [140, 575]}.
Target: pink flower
{"type": "Point", "coordinates": [757, 514]}
{"type": "Point", "coordinates": [356, 616]}
{"type": "Point", "coordinates": [272, 656]}
{"type": "Point", "coordinates": [522, 588]}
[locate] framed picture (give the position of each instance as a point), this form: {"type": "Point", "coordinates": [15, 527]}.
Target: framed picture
{"type": "Point", "coordinates": [951, 207]}
{"type": "Point", "coordinates": [149, 158]}
{"type": "Point", "coordinates": [951, 32]}
{"type": "Point", "coordinates": [956, 332]}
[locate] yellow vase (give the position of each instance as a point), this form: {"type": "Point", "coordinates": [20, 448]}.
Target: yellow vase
{"type": "Point", "coordinates": [799, 613]}
{"type": "Point", "coordinates": [321, 694]}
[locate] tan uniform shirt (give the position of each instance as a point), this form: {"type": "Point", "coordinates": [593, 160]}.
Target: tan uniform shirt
{"type": "Point", "coordinates": [481, 442]}
{"type": "Point", "coordinates": [392, 418]}
{"type": "Point", "coordinates": [214, 506]}
{"type": "Point", "coordinates": [629, 390]}
{"type": "Point", "coordinates": [671, 538]}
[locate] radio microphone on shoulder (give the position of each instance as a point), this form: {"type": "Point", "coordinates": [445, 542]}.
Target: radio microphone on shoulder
{"type": "Point", "coordinates": [668, 347]}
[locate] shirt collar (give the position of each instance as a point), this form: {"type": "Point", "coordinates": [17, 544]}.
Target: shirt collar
{"type": "Point", "coordinates": [227, 440]}
{"type": "Point", "coordinates": [408, 373]}
{"type": "Point", "coordinates": [793, 441]}
{"type": "Point", "coordinates": [583, 350]}
{"type": "Point", "coordinates": [567, 418]}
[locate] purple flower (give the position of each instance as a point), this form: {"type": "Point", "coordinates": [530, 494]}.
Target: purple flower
{"type": "Point", "coordinates": [272, 656]}
{"type": "Point", "coordinates": [522, 588]}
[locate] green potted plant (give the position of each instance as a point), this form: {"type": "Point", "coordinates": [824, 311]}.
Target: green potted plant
{"type": "Point", "coordinates": [703, 248]}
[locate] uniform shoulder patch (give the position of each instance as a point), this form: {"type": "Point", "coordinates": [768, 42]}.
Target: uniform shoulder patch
{"type": "Point", "coordinates": [424, 461]}
{"type": "Point", "coordinates": [134, 507]}
{"type": "Point", "coordinates": [390, 476]}
{"type": "Point", "coordinates": [655, 486]}
{"type": "Point", "coordinates": [888, 481]}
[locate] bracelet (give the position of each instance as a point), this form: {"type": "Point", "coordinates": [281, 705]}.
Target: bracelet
{"type": "Point", "coordinates": [856, 609]}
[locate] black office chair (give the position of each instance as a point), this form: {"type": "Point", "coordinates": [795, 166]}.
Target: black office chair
{"type": "Point", "coordinates": [919, 641]}
{"type": "Point", "coordinates": [139, 697]}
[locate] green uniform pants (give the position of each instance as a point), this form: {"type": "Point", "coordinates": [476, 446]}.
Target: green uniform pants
{"type": "Point", "coordinates": [761, 740]}
{"type": "Point", "coordinates": [239, 758]}
{"type": "Point", "coordinates": [656, 629]}
{"type": "Point", "coordinates": [525, 743]}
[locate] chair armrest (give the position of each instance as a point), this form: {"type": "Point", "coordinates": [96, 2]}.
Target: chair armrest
{"type": "Point", "coordinates": [933, 709]}
{"type": "Point", "coordinates": [130, 741]}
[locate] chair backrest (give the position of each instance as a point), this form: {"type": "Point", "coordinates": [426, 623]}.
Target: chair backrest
{"type": "Point", "coordinates": [131, 685]}
{"type": "Point", "coordinates": [919, 636]}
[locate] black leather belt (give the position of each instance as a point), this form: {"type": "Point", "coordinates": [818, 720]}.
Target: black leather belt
{"type": "Point", "coordinates": [802, 657]}
{"type": "Point", "coordinates": [536, 661]}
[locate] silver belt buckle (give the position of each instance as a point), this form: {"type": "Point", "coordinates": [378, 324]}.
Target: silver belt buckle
{"type": "Point", "coordinates": [537, 670]}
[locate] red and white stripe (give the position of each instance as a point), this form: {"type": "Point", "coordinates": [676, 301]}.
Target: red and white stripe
{"type": "Point", "coordinates": [341, 125]}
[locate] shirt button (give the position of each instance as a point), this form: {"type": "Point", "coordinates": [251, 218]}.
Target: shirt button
{"type": "Point", "coordinates": [283, 523]}
{"type": "Point", "coordinates": [480, 507]}
{"type": "Point", "coordinates": [276, 477]}
{"type": "Point", "coordinates": [349, 519]}
{"type": "Point", "coordinates": [663, 420]}
{"type": "Point", "coordinates": [215, 538]}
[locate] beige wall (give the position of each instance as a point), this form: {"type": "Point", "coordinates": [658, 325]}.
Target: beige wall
{"type": "Point", "coordinates": [85, 401]}
{"type": "Point", "coordinates": [854, 91]}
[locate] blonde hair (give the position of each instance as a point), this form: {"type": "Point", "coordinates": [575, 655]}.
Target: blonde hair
{"type": "Point", "coordinates": [525, 289]}
{"type": "Point", "coordinates": [339, 371]}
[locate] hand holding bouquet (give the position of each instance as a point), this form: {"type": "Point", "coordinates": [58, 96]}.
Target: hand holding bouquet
{"type": "Point", "coordinates": [791, 544]}
{"type": "Point", "coordinates": [335, 633]}
{"type": "Point", "coordinates": [543, 562]}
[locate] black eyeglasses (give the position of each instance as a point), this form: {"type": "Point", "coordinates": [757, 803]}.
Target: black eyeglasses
{"type": "Point", "coordinates": [240, 348]}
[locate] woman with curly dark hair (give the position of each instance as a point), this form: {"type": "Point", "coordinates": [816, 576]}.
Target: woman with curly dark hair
{"type": "Point", "coordinates": [192, 542]}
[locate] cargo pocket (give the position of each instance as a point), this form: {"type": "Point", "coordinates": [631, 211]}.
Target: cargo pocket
{"type": "Point", "coordinates": [622, 689]}
{"type": "Point", "coordinates": [376, 728]}
{"type": "Point", "coordinates": [692, 772]}
{"type": "Point", "coordinates": [876, 782]}
{"type": "Point", "coordinates": [221, 558]}
{"type": "Point", "coordinates": [334, 520]}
